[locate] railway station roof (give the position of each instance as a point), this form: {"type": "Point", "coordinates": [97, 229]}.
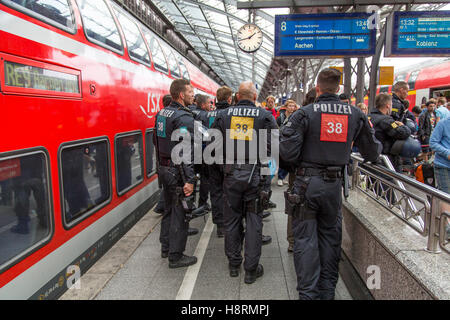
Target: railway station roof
{"type": "Point", "coordinates": [211, 27]}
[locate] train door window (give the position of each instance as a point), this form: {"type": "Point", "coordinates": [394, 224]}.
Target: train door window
{"type": "Point", "coordinates": [159, 60]}
{"type": "Point", "coordinates": [56, 13]}
{"type": "Point", "coordinates": [25, 204]}
{"type": "Point", "coordinates": [136, 46]}
{"type": "Point", "coordinates": [412, 79]}
{"type": "Point", "coordinates": [99, 25]}
{"type": "Point", "coordinates": [384, 89]}
{"type": "Point", "coordinates": [173, 64]}
{"type": "Point", "coordinates": [183, 69]}
{"type": "Point", "coordinates": [150, 153]}
{"type": "Point", "coordinates": [85, 179]}
{"type": "Point", "coordinates": [129, 161]}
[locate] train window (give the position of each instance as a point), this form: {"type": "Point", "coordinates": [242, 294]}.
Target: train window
{"type": "Point", "coordinates": [412, 79]}
{"type": "Point", "coordinates": [159, 61]}
{"type": "Point", "coordinates": [384, 89]}
{"type": "Point", "coordinates": [25, 209]}
{"type": "Point", "coordinates": [184, 71]}
{"type": "Point", "coordinates": [85, 179]}
{"type": "Point", "coordinates": [56, 13]}
{"type": "Point", "coordinates": [99, 25]}
{"type": "Point", "coordinates": [173, 64]}
{"type": "Point", "coordinates": [136, 46]}
{"type": "Point", "coordinates": [129, 166]}
{"type": "Point", "coordinates": [150, 153]}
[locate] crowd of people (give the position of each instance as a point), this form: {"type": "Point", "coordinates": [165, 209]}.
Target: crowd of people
{"type": "Point", "coordinates": [315, 143]}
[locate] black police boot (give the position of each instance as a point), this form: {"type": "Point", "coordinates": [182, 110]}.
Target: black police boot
{"type": "Point", "coordinates": [164, 254]}
{"type": "Point", "coordinates": [266, 214]}
{"type": "Point", "coordinates": [266, 240]}
{"type": "Point", "coordinates": [220, 232]}
{"type": "Point", "coordinates": [234, 270]}
{"type": "Point", "coordinates": [192, 231]}
{"type": "Point", "coordinates": [184, 261]}
{"type": "Point", "coordinates": [250, 276]}
{"type": "Point", "coordinates": [158, 210]}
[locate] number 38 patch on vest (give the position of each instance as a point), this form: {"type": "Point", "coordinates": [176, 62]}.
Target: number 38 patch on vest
{"type": "Point", "coordinates": [241, 128]}
{"type": "Point", "coordinates": [333, 127]}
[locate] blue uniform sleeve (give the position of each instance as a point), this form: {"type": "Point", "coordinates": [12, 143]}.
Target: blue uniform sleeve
{"type": "Point", "coordinates": [186, 122]}
{"type": "Point", "coordinates": [291, 138]}
{"type": "Point", "coordinates": [368, 146]}
{"type": "Point", "coordinates": [435, 141]}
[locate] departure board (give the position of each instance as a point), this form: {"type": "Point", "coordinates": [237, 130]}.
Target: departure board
{"type": "Point", "coordinates": [418, 33]}
{"type": "Point", "coordinates": [344, 34]}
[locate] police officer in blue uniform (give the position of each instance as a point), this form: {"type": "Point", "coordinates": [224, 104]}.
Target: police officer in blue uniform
{"type": "Point", "coordinates": [174, 226]}
{"type": "Point", "coordinates": [399, 94]}
{"type": "Point", "coordinates": [224, 96]}
{"type": "Point", "coordinates": [240, 125]}
{"type": "Point", "coordinates": [387, 129]}
{"type": "Point", "coordinates": [317, 140]}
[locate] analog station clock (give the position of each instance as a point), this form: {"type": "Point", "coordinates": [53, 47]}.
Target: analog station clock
{"type": "Point", "coordinates": [249, 37]}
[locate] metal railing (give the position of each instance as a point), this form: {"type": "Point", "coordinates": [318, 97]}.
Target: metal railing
{"type": "Point", "coordinates": [423, 210]}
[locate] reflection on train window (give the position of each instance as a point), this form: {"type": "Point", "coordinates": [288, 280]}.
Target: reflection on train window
{"type": "Point", "coordinates": [173, 65]}
{"type": "Point", "coordinates": [184, 71]}
{"type": "Point", "coordinates": [159, 61]}
{"type": "Point", "coordinates": [150, 159]}
{"type": "Point", "coordinates": [85, 178]}
{"type": "Point", "coordinates": [128, 161]}
{"type": "Point", "coordinates": [135, 42]}
{"type": "Point", "coordinates": [99, 24]}
{"type": "Point", "coordinates": [57, 11]}
{"type": "Point", "coordinates": [24, 204]}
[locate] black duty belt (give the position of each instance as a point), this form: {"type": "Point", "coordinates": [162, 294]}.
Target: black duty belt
{"type": "Point", "coordinates": [329, 173]}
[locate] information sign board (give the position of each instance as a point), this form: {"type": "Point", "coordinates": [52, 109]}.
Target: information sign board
{"type": "Point", "coordinates": [335, 34]}
{"type": "Point", "coordinates": [418, 33]}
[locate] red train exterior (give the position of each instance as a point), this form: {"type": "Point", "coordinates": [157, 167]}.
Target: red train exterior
{"type": "Point", "coordinates": [116, 95]}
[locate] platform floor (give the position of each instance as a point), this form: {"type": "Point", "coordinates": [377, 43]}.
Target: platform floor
{"type": "Point", "coordinates": [134, 269]}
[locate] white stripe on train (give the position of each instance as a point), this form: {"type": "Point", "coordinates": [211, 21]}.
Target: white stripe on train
{"type": "Point", "coordinates": [38, 275]}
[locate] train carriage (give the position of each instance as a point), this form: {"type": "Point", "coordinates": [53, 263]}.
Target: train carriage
{"type": "Point", "coordinates": [80, 84]}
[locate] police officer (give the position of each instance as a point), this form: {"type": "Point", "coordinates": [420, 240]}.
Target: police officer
{"type": "Point", "coordinates": [400, 92]}
{"type": "Point", "coordinates": [388, 130]}
{"type": "Point", "coordinates": [240, 125]}
{"type": "Point", "coordinates": [174, 227]}
{"type": "Point", "coordinates": [317, 140]}
{"type": "Point", "coordinates": [224, 96]}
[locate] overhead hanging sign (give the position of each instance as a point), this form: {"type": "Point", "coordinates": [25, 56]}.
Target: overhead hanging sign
{"type": "Point", "coordinates": [336, 34]}
{"type": "Point", "coordinates": [418, 34]}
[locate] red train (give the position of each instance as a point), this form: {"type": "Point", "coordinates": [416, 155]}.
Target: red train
{"type": "Point", "coordinates": [80, 84]}
{"type": "Point", "coordinates": [425, 82]}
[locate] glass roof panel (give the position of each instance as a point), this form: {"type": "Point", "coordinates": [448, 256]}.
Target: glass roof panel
{"type": "Point", "coordinates": [211, 27]}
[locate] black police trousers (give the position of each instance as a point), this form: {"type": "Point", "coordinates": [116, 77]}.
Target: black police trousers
{"type": "Point", "coordinates": [240, 202]}
{"type": "Point", "coordinates": [174, 228]}
{"type": "Point", "coordinates": [317, 239]}
{"type": "Point", "coordinates": [203, 170]}
{"type": "Point", "coordinates": [216, 193]}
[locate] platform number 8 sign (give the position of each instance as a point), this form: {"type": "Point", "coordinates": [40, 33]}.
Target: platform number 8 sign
{"type": "Point", "coordinates": [333, 127]}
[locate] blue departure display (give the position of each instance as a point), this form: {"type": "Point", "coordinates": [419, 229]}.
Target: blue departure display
{"type": "Point", "coordinates": [324, 35]}
{"type": "Point", "coordinates": [420, 33]}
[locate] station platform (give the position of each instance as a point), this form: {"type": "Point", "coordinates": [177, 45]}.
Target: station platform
{"type": "Point", "coordinates": [134, 270]}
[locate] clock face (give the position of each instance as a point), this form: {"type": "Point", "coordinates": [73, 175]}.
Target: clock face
{"type": "Point", "coordinates": [249, 37]}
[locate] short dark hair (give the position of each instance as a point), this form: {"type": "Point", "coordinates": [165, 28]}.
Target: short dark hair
{"type": "Point", "coordinates": [382, 99]}
{"type": "Point", "coordinates": [343, 96]}
{"type": "Point", "coordinates": [430, 102]}
{"type": "Point", "coordinates": [223, 93]}
{"type": "Point", "coordinates": [166, 100]}
{"type": "Point", "coordinates": [399, 85]}
{"type": "Point", "coordinates": [178, 86]}
{"type": "Point", "coordinates": [310, 96]}
{"type": "Point", "coordinates": [416, 109]}
{"type": "Point", "coordinates": [201, 99]}
{"type": "Point", "coordinates": [328, 80]}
